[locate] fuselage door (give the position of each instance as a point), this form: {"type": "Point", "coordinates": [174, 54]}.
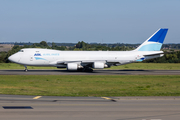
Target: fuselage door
{"type": "Point", "coordinates": [31, 58]}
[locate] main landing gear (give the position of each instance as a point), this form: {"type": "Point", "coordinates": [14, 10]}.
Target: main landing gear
{"type": "Point", "coordinates": [85, 69]}
{"type": "Point", "coordinates": [88, 70]}
{"type": "Point", "coordinates": [25, 70]}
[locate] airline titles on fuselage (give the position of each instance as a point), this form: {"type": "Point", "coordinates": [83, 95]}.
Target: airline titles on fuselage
{"type": "Point", "coordinates": [46, 54]}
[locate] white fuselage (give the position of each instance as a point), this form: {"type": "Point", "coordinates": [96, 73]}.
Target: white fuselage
{"type": "Point", "coordinates": [48, 57]}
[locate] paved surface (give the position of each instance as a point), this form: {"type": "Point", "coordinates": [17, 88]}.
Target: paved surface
{"type": "Point", "coordinates": [95, 72]}
{"type": "Point", "coordinates": [89, 108]}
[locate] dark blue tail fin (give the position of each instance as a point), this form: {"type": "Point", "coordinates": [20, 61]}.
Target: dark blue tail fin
{"type": "Point", "coordinates": [154, 43]}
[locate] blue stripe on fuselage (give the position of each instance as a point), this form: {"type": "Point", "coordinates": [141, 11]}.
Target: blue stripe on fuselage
{"type": "Point", "coordinates": [38, 58]}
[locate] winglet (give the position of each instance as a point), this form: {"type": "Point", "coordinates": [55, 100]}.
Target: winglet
{"type": "Point", "coordinates": [154, 43]}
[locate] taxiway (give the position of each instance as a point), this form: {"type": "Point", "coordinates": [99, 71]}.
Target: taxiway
{"type": "Point", "coordinates": [19, 107]}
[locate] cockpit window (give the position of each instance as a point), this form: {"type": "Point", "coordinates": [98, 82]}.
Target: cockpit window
{"type": "Point", "coordinates": [21, 51]}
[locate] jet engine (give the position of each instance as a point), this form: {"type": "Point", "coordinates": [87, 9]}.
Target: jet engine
{"type": "Point", "coordinates": [98, 65]}
{"type": "Point", "coordinates": [72, 66]}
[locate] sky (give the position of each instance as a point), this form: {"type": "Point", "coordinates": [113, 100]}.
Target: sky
{"type": "Point", "coordinates": [91, 21]}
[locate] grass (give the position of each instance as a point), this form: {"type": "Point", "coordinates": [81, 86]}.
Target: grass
{"type": "Point", "coordinates": [149, 66]}
{"type": "Point", "coordinates": [146, 66]}
{"type": "Point", "coordinates": [10, 66]}
{"type": "Point", "coordinates": [69, 85]}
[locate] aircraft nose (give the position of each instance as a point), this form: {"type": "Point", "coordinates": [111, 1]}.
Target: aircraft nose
{"type": "Point", "coordinates": [14, 58]}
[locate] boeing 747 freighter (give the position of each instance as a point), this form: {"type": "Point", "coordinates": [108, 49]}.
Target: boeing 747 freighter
{"type": "Point", "coordinates": [87, 60]}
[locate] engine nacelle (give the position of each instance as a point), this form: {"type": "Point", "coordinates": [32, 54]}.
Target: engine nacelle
{"type": "Point", "coordinates": [72, 66]}
{"type": "Point", "coordinates": [98, 65]}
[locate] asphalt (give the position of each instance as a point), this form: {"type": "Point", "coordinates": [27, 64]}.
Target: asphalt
{"type": "Point", "coordinates": [95, 72]}
{"type": "Point", "coordinates": [19, 107]}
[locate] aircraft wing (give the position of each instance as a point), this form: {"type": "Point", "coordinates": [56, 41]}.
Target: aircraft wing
{"type": "Point", "coordinates": [89, 63]}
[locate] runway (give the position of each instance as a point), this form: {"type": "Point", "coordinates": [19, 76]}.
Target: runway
{"type": "Point", "coordinates": [19, 107]}
{"type": "Point", "coordinates": [95, 72]}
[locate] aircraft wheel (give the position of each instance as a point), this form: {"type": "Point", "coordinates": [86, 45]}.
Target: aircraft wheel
{"type": "Point", "coordinates": [88, 70]}
{"type": "Point", "coordinates": [25, 69]}
{"type": "Point", "coordinates": [80, 69]}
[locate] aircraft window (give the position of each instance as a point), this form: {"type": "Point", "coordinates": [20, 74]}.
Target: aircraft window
{"type": "Point", "coordinates": [21, 51]}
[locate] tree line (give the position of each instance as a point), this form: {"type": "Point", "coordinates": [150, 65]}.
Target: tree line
{"type": "Point", "coordinates": [172, 57]}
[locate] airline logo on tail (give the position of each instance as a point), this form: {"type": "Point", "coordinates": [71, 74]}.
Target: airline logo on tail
{"type": "Point", "coordinates": [154, 43]}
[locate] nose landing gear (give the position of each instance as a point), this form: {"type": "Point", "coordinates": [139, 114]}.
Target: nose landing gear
{"type": "Point", "coordinates": [25, 70]}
